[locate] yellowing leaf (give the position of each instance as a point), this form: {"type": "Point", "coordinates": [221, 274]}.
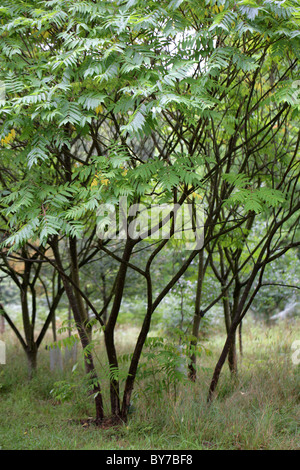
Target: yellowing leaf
{"type": "Point", "coordinates": [94, 182]}
{"type": "Point", "coordinates": [9, 138]}
{"type": "Point", "coordinates": [198, 196]}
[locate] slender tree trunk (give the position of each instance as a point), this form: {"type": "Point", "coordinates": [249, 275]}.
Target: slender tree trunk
{"type": "Point", "coordinates": [236, 320]}
{"type": "Point", "coordinates": [221, 361]}
{"type": "Point", "coordinates": [134, 366]}
{"type": "Point", "coordinates": [83, 335]}
{"type": "Point", "coordinates": [110, 329]}
{"type": "Point", "coordinates": [51, 314]}
{"type": "Point", "coordinates": [2, 324]}
{"type": "Point", "coordinates": [76, 279]}
{"type": "Point", "coordinates": [104, 296]}
{"type": "Point", "coordinates": [232, 358]}
{"type": "Point", "coordinates": [31, 347]}
{"type": "Point", "coordinates": [241, 339]}
{"type": "Point", "coordinates": [31, 354]}
{"type": "Point", "coordinates": [69, 319]}
{"type": "Point", "coordinates": [226, 309]}
{"type": "Point", "coordinates": [232, 355]}
{"type": "Point", "coordinates": [137, 353]}
{"type": "Point", "coordinates": [53, 323]}
{"type": "Point", "coordinates": [197, 319]}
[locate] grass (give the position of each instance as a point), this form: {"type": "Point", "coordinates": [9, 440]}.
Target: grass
{"type": "Point", "coordinates": [258, 410]}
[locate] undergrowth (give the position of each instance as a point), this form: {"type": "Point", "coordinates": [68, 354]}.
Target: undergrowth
{"type": "Point", "coordinates": [259, 409]}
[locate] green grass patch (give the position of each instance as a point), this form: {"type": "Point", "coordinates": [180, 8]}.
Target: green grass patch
{"type": "Point", "coordinates": [260, 409]}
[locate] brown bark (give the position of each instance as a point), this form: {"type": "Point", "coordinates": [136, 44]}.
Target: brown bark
{"type": "Point", "coordinates": [2, 324]}
{"type": "Point", "coordinates": [104, 297]}
{"type": "Point", "coordinates": [239, 313]}
{"type": "Point", "coordinates": [232, 357]}
{"type": "Point", "coordinates": [110, 328]}
{"type": "Point", "coordinates": [31, 353]}
{"type": "Point", "coordinates": [197, 319]}
{"type": "Point", "coordinates": [221, 361]}
{"type": "Point", "coordinates": [137, 352]}
{"type": "Point", "coordinates": [229, 315]}
{"type": "Point", "coordinates": [241, 339]}
{"type": "Point", "coordinates": [83, 334]}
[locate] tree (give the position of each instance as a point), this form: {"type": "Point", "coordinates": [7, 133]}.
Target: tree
{"type": "Point", "coordinates": [25, 271]}
{"type": "Point", "coordinates": [140, 103]}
